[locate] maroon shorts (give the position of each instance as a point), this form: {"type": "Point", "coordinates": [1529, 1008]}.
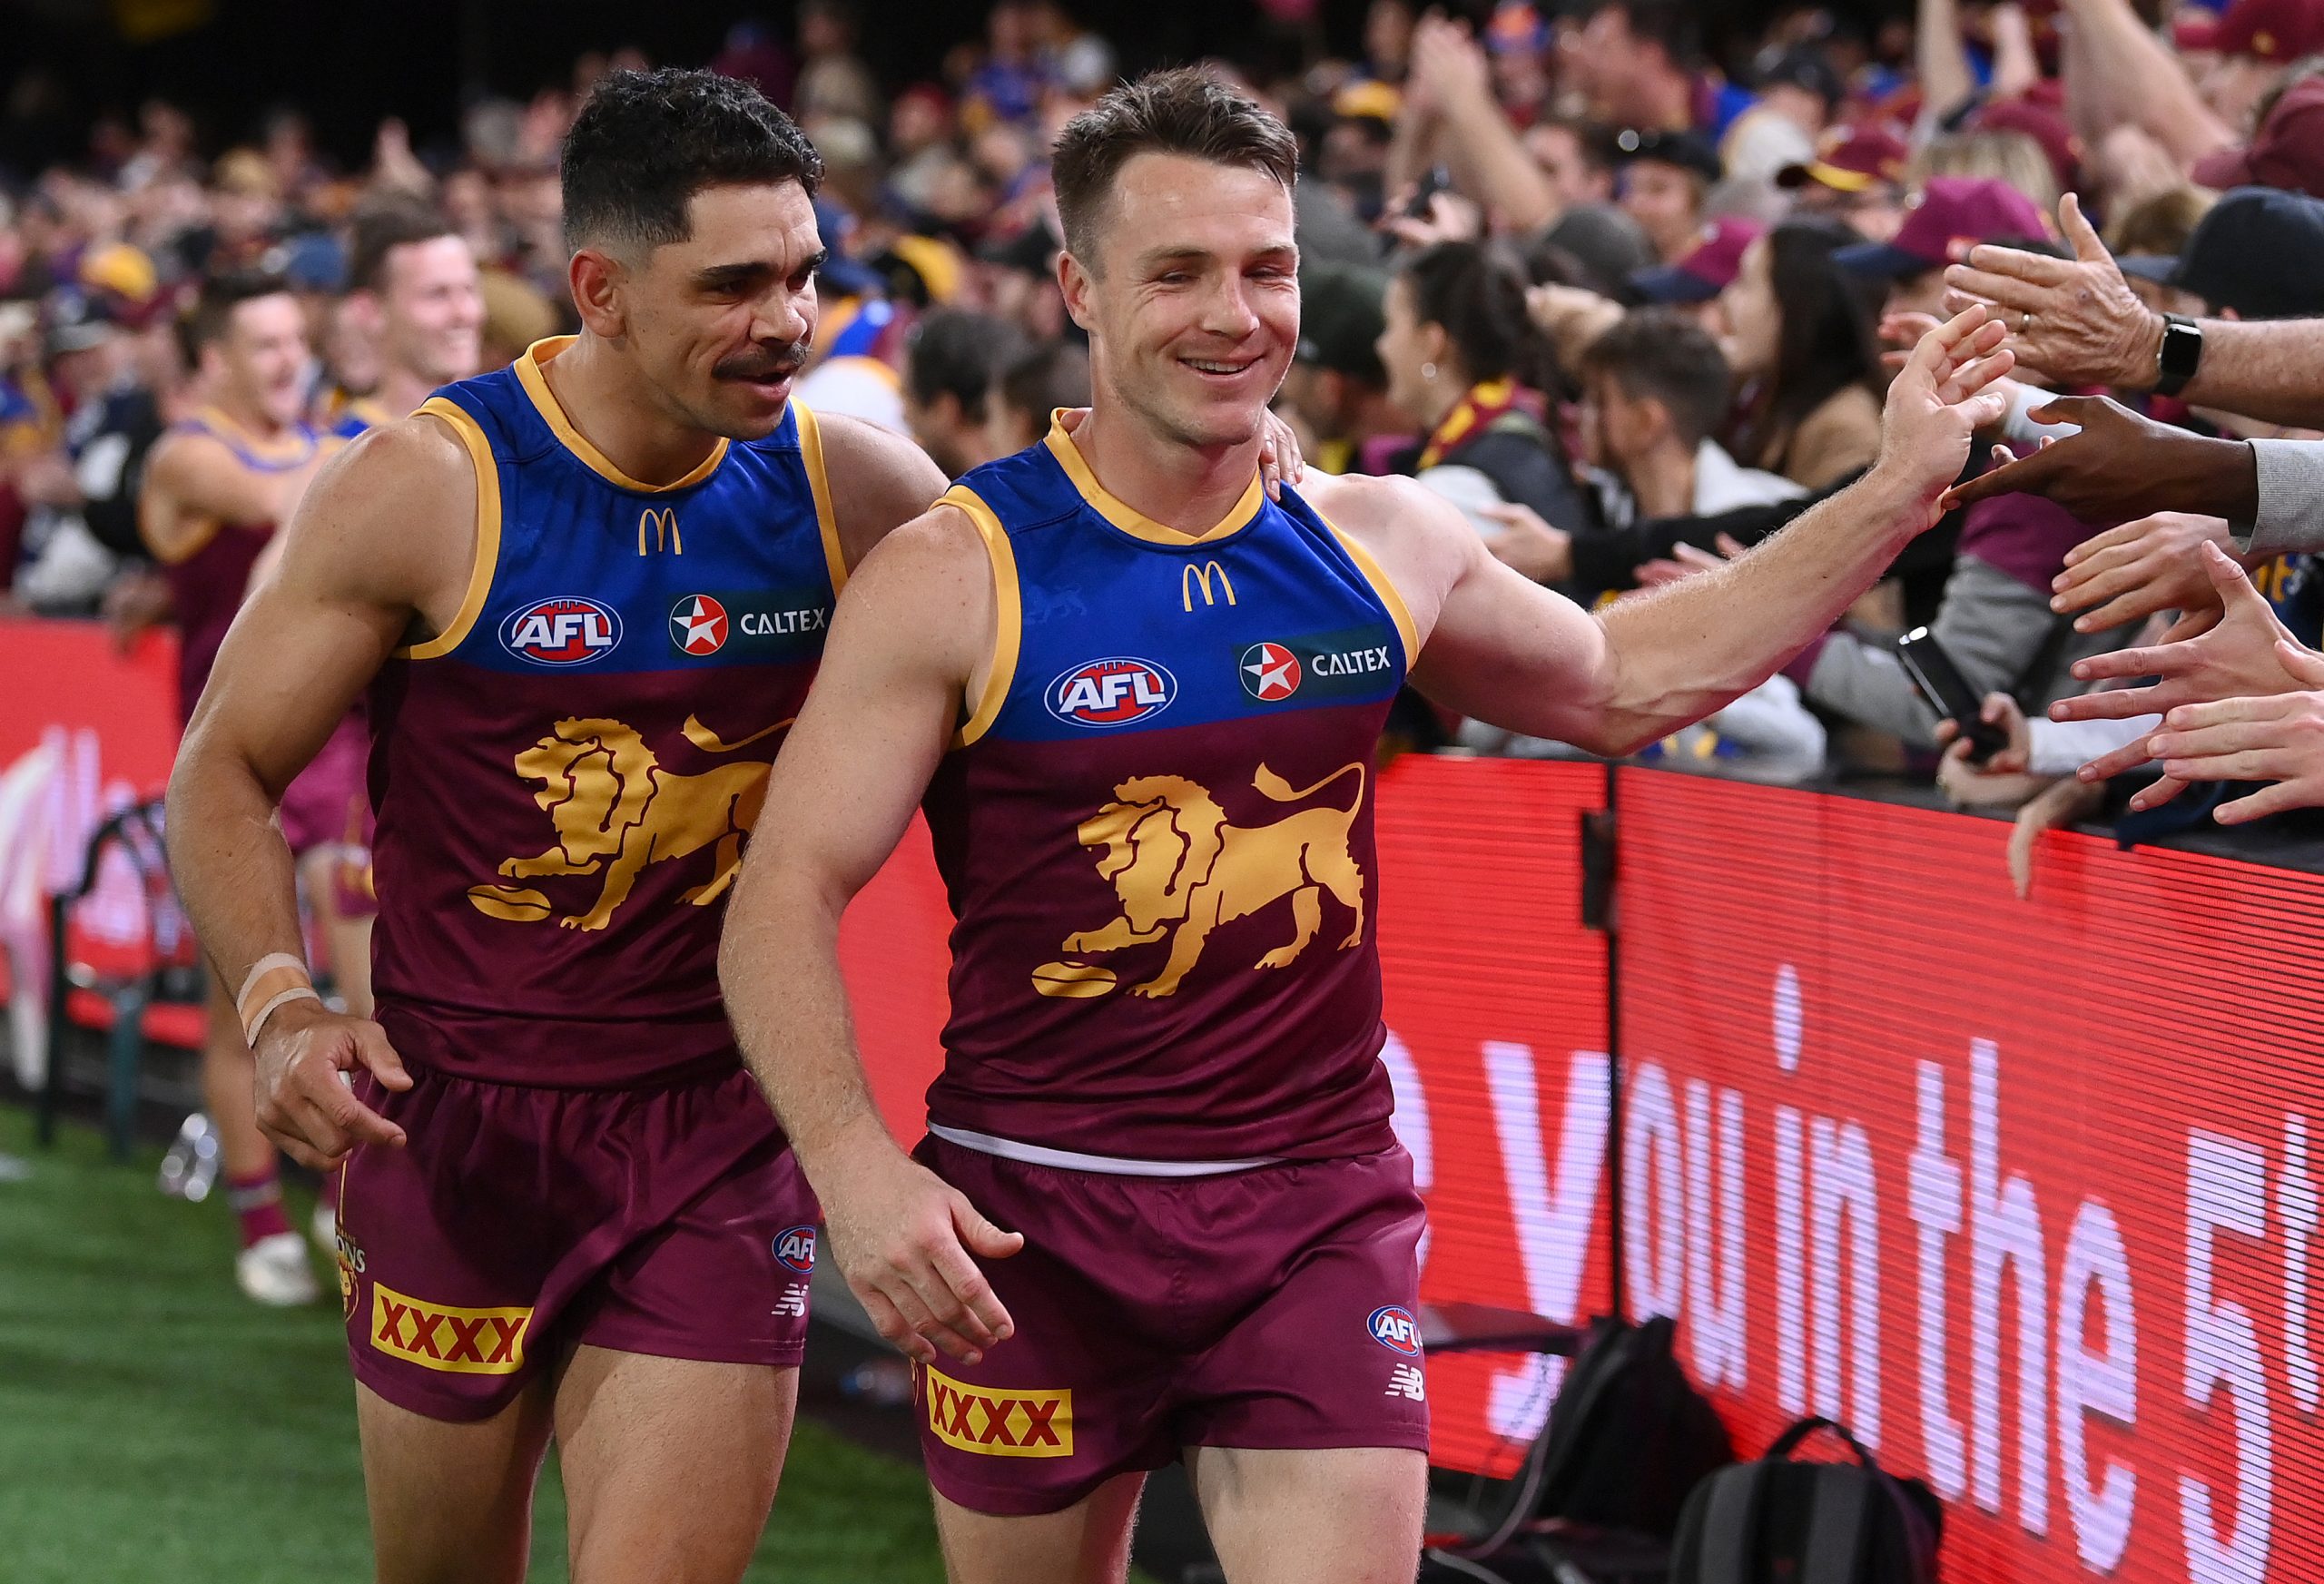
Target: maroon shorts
{"type": "Point", "coordinates": [1271, 1307]}
{"type": "Point", "coordinates": [519, 1222]}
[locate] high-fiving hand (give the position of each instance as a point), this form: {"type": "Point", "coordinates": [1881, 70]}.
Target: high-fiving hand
{"type": "Point", "coordinates": [2077, 320]}
{"type": "Point", "coordinates": [1939, 399]}
{"type": "Point", "coordinates": [2278, 739]}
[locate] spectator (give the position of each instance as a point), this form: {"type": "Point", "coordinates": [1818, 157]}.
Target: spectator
{"type": "Point", "coordinates": [1954, 213]}
{"type": "Point", "coordinates": [1857, 176]}
{"type": "Point", "coordinates": [1465, 363]}
{"type": "Point", "coordinates": [953, 358]}
{"type": "Point", "coordinates": [1800, 341]}
{"type": "Point", "coordinates": [1657, 394]}
{"type": "Point", "coordinates": [1665, 177]}
{"type": "Point", "coordinates": [1336, 391]}
{"type": "Point", "coordinates": [1051, 376]}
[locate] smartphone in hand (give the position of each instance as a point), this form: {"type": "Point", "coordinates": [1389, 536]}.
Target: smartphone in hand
{"type": "Point", "coordinates": [1940, 682]}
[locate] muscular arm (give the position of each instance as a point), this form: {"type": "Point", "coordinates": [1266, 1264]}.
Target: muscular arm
{"type": "Point", "coordinates": [910, 636]}
{"type": "Point", "coordinates": [191, 477]}
{"type": "Point", "coordinates": [381, 539]}
{"type": "Point", "coordinates": [889, 481]}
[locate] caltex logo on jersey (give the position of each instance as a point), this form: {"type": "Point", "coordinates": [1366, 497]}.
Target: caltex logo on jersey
{"type": "Point", "coordinates": [698, 625]}
{"type": "Point", "coordinates": [571, 630]}
{"type": "Point", "coordinates": [794, 1247]}
{"type": "Point", "coordinates": [1269, 671]}
{"type": "Point", "coordinates": [1111, 693]}
{"type": "Point", "coordinates": [1393, 1326]}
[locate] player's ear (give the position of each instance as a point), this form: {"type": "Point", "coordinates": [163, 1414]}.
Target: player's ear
{"type": "Point", "coordinates": [596, 279]}
{"type": "Point", "coordinates": [1075, 282]}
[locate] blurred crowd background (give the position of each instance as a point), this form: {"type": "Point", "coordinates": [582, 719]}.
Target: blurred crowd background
{"type": "Point", "coordinates": [1624, 278]}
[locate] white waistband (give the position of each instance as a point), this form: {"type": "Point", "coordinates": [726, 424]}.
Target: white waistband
{"type": "Point", "coordinates": [1073, 1160]}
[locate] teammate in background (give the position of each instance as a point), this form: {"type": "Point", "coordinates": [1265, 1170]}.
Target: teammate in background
{"type": "Point", "coordinates": [215, 487]}
{"type": "Point", "coordinates": [414, 294]}
{"type": "Point", "coordinates": [1154, 818]}
{"type": "Point", "coordinates": [587, 594]}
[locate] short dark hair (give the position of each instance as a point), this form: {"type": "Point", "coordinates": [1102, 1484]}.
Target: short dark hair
{"type": "Point", "coordinates": [1478, 295]}
{"type": "Point", "coordinates": [1184, 112]}
{"type": "Point", "coordinates": [1672, 24]}
{"type": "Point", "coordinates": [646, 141]}
{"type": "Point", "coordinates": [1660, 353]}
{"type": "Point", "coordinates": [382, 228]}
{"type": "Point", "coordinates": [212, 313]}
{"type": "Point", "coordinates": [1053, 375]}
{"type": "Point", "coordinates": [960, 352]}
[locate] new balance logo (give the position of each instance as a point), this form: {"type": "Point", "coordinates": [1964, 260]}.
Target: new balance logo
{"type": "Point", "coordinates": [793, 1301]}
{"type": "Point", "coordinates": [462, 1341]}
{"type": "Point", "coordinates": [1015, 1424]}
{"type": "Point", "coordinates": [1408, 1381]}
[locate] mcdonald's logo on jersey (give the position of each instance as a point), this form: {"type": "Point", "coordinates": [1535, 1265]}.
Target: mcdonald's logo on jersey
{"type": "Point", "coordinates": [1198, 577]}
{"type": "Point", "coordinates": [661, 521]}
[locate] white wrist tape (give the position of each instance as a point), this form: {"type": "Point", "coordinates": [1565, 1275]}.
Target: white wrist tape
{"type": "Point", "coordinates": [258, 1019]}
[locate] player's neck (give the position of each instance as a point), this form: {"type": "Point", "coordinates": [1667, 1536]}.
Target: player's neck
{"type": "Point", "coordinates": [246, 415]}
{"type": "Point", "coordinates": [401, 391]}
{"type": "Point", "coordinates": [1186, 487]}
{"type": "Point", "coordinates": [602, 400]}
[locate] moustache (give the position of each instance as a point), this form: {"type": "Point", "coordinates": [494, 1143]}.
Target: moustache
{"type": "Point", "coordinates": [789, 362]}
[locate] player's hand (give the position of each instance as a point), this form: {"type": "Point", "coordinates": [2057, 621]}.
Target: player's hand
{"type": "Point", "coordinates": [1280, 462]}
{"type": "Point", "coordinates": [2237, 659]}
{"type": "Point", "coordinates": [304, 1103]}
{"type": "Point", "coordinates": [2153, 564]}
{"type": "Point", "coordinates": [1938, 401]}
{"type": "Point", "coordinates": [1526, 542]}
{"type": "Point", "coordinates": [2077, 318]}
{"type": "Point", "coordinates": [2278, 739]}
{"type": "Point", "coordinates": [904, 1237]}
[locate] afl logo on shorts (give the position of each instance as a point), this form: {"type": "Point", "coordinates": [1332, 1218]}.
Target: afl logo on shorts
{"type": "Point", "coordinates": [1111, 693]}
{"type": "Point", "coordinates": [795, 1249]}
{"type": "Point", "coordinates": [1269, 671]}
{"type": "Point", "coordinates": [698, 625]}
{"type": "Point", "coordinates": [571, 630]}
{"type": "Point", "coordinates": [1393, 1326]}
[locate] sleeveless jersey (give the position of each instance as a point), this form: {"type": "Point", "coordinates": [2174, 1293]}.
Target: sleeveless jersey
{"type": "Point", "coordinates": [1156, 830]}
{"type": "Point", "coordinates": [209, 576]}
{"type": "Point", "coordinates": [563, 779]}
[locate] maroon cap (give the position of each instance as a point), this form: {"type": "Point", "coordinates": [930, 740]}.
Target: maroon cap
{"type": "Point", "coordinates": [2270, 30]}
{"type": "Point", "coordinates": [1852, 160]}
{"type": "Point", "coordinates": [2044, 123]}
{"type": "Point", "coordinates": [1706, 270]}
{"type": "Point", "coordinates": [2287, 152]}
{"type": "Point", "coordinates": [1952, 214]}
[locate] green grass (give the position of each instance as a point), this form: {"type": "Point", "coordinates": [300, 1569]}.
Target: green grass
{"type": "Point", "coordinates": [154, 1424]}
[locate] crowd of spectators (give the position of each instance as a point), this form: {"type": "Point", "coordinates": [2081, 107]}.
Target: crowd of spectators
{"type": "Point", "coordinates": [1630, 305]}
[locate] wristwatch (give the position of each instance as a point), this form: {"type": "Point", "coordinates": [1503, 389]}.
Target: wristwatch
{"type": "Point", "coordinates": [2182, 349]}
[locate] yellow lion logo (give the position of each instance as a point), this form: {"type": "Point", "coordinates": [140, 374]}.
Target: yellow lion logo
{"type": "Point", "coordinates": [1177, 863]}
{"type": "Point", "coordinates": [612, 804]}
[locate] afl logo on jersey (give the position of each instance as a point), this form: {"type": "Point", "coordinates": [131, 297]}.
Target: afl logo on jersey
{"type": "Point", "coordinates": [1269, 671]}
{"type": "Point", "coordinates": [1394, 1327]}
{"type": "Point", "coordinates": [698, 625]}
{"type": "Point", "coordinates": [794, 1247]}
{"type": "Point", "coordinates": [1111, 693]}
{"type": "Point", "coordinates": [568, 631]}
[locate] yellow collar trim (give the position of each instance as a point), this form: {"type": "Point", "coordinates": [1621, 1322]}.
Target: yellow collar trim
{"type": "Point", "coordinates": [1128, 517]}
{"type": "Point", "coordinates": [291, 448]}
{"type": "Point", "coordinates": [536, 384]}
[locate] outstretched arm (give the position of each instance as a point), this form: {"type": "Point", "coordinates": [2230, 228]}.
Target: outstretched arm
{"type": "Point", "coordinates": [910, 635]}
{"type": "Point", "coordinates": [380, 539]}
{"type": "Point", "coordinates": [1647, 665]}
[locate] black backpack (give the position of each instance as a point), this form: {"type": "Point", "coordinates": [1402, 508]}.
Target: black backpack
{"type": "Point", "coordinates": [1808, 1523]}
{"type": "Point", "coordinates": [1629, 1436]}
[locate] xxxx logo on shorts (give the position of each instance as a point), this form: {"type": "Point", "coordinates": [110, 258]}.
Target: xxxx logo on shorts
{"type": "Point", "coordinates": [463, 1342]}
{"type": "Point", "coordinates": [1012, 1424]}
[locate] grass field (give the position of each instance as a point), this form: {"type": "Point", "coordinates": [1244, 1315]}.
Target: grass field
{"type": "Point", "coordinates": [155, 1425]}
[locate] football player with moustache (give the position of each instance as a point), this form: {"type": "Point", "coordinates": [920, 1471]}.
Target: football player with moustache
{"type": "Point", "coordinates": [564, 1210]}
{"type": "Point", "coordinates": [1161, 1211]}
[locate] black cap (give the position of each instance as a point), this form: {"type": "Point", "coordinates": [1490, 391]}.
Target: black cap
{"type": "Point", "coordinates": [1340, 319]}
{"type": "Point", "coordinates": [1682, 149]}
{"type": "Point", "coordinates": [2255, 254]}
{"type": "Point", "coordinates": [77, 321]}
{"type": "Point", "coordinates": [1804, 69]}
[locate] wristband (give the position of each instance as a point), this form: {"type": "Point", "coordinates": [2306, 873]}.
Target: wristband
{"type": "Point", "coordinates": [274, 978]}
{"type": "Point", "coordinates": [256, 1020]}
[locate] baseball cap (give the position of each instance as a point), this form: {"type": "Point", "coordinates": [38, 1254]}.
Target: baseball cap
{"type": "Point", "coordinates": [1852, 160]}
{"type": "Point", "coordinates": [1341, 318]}
{"type": "Point", "coordinates": [2045, 123]}
{"type": "Point", "coordinates": [1682, 149]}
{"type": "Point", "coordinates": [77, 323]}
{"type": "Point", "coordinates": [1703, 272]}
{"type": "Point", "coordinates": [2287, 152]}
{"type": "Point", "coordinates": [1950, 213]}
{"type": "Point", "coordinates": [2265, 30]}
{"type": "Point", "coordinates": [2254, 254]}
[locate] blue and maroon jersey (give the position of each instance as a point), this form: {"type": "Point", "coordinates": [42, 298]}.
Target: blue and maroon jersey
{"type": "Point", "coordinates": [566, 776]}
{"type": "Point", "coordinates": [210, 573]}
{"type": "Point", "coordinates": [1156, 830]}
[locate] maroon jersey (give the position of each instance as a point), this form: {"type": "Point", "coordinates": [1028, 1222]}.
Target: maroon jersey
{"type": "Point", "coordinates": [209, 576]}
{"type": "Point", "coordinates": [1157, 831]}
{"type": "Point", "coordinates": [563, 779]}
